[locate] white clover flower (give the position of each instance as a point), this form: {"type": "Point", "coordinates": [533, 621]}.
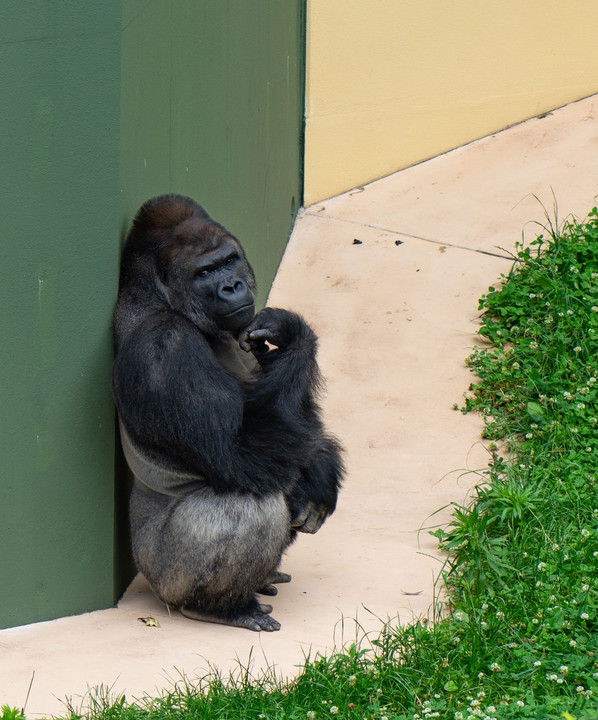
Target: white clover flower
{"type": "Point", "coordinates": [564, 669]}
{"type": "Point", "coordinates": [490, 710]}
{"type": "Point", "coordinates": [573, 270]}
{"type": "Point", "coordinates": [585, 587]}
{"type": "Point", "coordinates": [352, 679]}
{"type": "Point", "coordinates": [459, 615]}
{"type": "Point", "coordinates": [529, 436]}
{"type": "Point", "coordinates": [581, 406]}
{"type": "Point", "coordinates": [595, 308]}
{"type": "Point", "coordinates": [573, 643]}
{"type": "Point", "coordinates": [458, 715]}
{"type": "Point", "coordinates": [500, 615]}
{"type": "Point", "coordinates": [333, 710]}
{"type": "Point", "coordinates": [567, 395]}
{"type": "Point", "coordinates": [556, 547]}
{"type": "Point", "coordinates": [495, 667]}
{"type": "Point", "coordinates": [559, 681]}
{"type": "Point", "coordinates": [541, 567]}
{"type": "Point", "coordinates": [577, 349]}
{"type": "Point", "coordinates": [570, 312]}
{"type": "Point", "coordinates": [520, 703]}
{"type": "Point", "coordinates": [537, 663]}
{"type": "Point", "coordinates": [589, 448]}
{"type": "Point", "coordinates": [311, 714]}
{"type": "Point", "coordinates": [552, 677]}
{"type": "Point", "coordinates": [485, 605]}
{"type": "Point", "coordinates": [585, 533]}
{"type": "Point", "coordinates": [484, 625]}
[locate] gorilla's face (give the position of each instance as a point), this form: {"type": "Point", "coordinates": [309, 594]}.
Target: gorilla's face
{"type": "Point", "coordinates": [209, 278]}
{"type": "Point", "coordinates": [220, 283]}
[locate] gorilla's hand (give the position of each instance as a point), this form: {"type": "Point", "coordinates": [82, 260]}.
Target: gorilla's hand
{"type": "Point", "coordinates": [271, 327]}
{"type": "Point", "coordinates": [309, 519]}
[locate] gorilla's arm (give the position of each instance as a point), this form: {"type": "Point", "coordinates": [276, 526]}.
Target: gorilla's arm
{"type": "Point", "coordinates": [176, 400]}
{"type": "Point", "coordinates": [295, 379]}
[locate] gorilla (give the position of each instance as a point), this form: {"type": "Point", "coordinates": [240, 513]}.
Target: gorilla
{"type": "Point", "coordinates": [219, 419]}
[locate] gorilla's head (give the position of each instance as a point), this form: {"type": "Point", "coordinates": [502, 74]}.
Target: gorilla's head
{"type": "Point", "coordinates": [193, 263]}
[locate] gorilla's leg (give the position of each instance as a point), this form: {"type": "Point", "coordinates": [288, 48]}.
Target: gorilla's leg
{"type": "Point", "coordinates": [208, 554]}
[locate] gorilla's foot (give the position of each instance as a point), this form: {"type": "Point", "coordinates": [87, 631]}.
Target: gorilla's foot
{"type": "Point", "coordinates": [276, 577]}
{"type": "Point", "coordinates": [256, 619]}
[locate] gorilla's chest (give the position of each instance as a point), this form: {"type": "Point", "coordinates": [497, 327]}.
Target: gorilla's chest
{"type": "Point", "coordinates": [237, 362]}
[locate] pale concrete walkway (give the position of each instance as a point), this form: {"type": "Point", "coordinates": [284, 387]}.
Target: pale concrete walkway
{"type": "Point", "coordinates": [396, 314]}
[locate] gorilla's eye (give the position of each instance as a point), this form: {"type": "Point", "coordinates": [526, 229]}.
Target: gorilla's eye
{"type": "Point", "coordinates": [203, 272]}
{"type": "Point", "coordinates": [231, 259]}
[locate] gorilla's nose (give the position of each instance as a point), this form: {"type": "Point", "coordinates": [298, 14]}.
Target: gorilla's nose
{"type": "Point", "coordinates": [230, 289]}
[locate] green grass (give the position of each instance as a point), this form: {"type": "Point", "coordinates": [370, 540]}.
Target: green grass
{"type": "Point", "coordinates": [519, 634]}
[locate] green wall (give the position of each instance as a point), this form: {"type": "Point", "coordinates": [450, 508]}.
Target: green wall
{"type": "Point", "coordinates": [59, 123]}
{"type": "Point", "coordinates": [103, 105]}
{"type": "Point", "coordinates": [212, 107]}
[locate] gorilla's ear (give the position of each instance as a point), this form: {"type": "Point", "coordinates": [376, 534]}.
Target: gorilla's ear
{"type": "Point", "coordinates": [163, 258]}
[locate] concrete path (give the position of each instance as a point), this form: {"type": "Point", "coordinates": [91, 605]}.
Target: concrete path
{"type": "Point", "coordinates": [389, 275]}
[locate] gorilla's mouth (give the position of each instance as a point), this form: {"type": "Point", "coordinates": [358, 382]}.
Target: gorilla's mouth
{"type": "Point", "coordinates": [241, 308]}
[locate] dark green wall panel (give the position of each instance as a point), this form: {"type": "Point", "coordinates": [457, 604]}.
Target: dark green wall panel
{"type": "Point", "coordinates": [212, 107]}
{"type": "Point", "coordinates": [103, 105]}
{"type": "Point", "coordinates": [59, 125]}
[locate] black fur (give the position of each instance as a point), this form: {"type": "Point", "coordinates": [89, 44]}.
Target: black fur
{"type": "Point", "coordinates": [219, 417]}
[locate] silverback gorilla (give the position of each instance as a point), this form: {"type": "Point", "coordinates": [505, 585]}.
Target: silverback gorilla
{"type": "Point", "coordinates": [218, 418]}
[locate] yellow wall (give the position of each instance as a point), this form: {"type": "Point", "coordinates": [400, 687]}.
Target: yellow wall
{"type": "Point", "coordinates": [393, 82]}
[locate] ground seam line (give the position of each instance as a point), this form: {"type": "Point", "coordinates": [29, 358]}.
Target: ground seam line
{"type": "Point", "coordinates": [409, 235]}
